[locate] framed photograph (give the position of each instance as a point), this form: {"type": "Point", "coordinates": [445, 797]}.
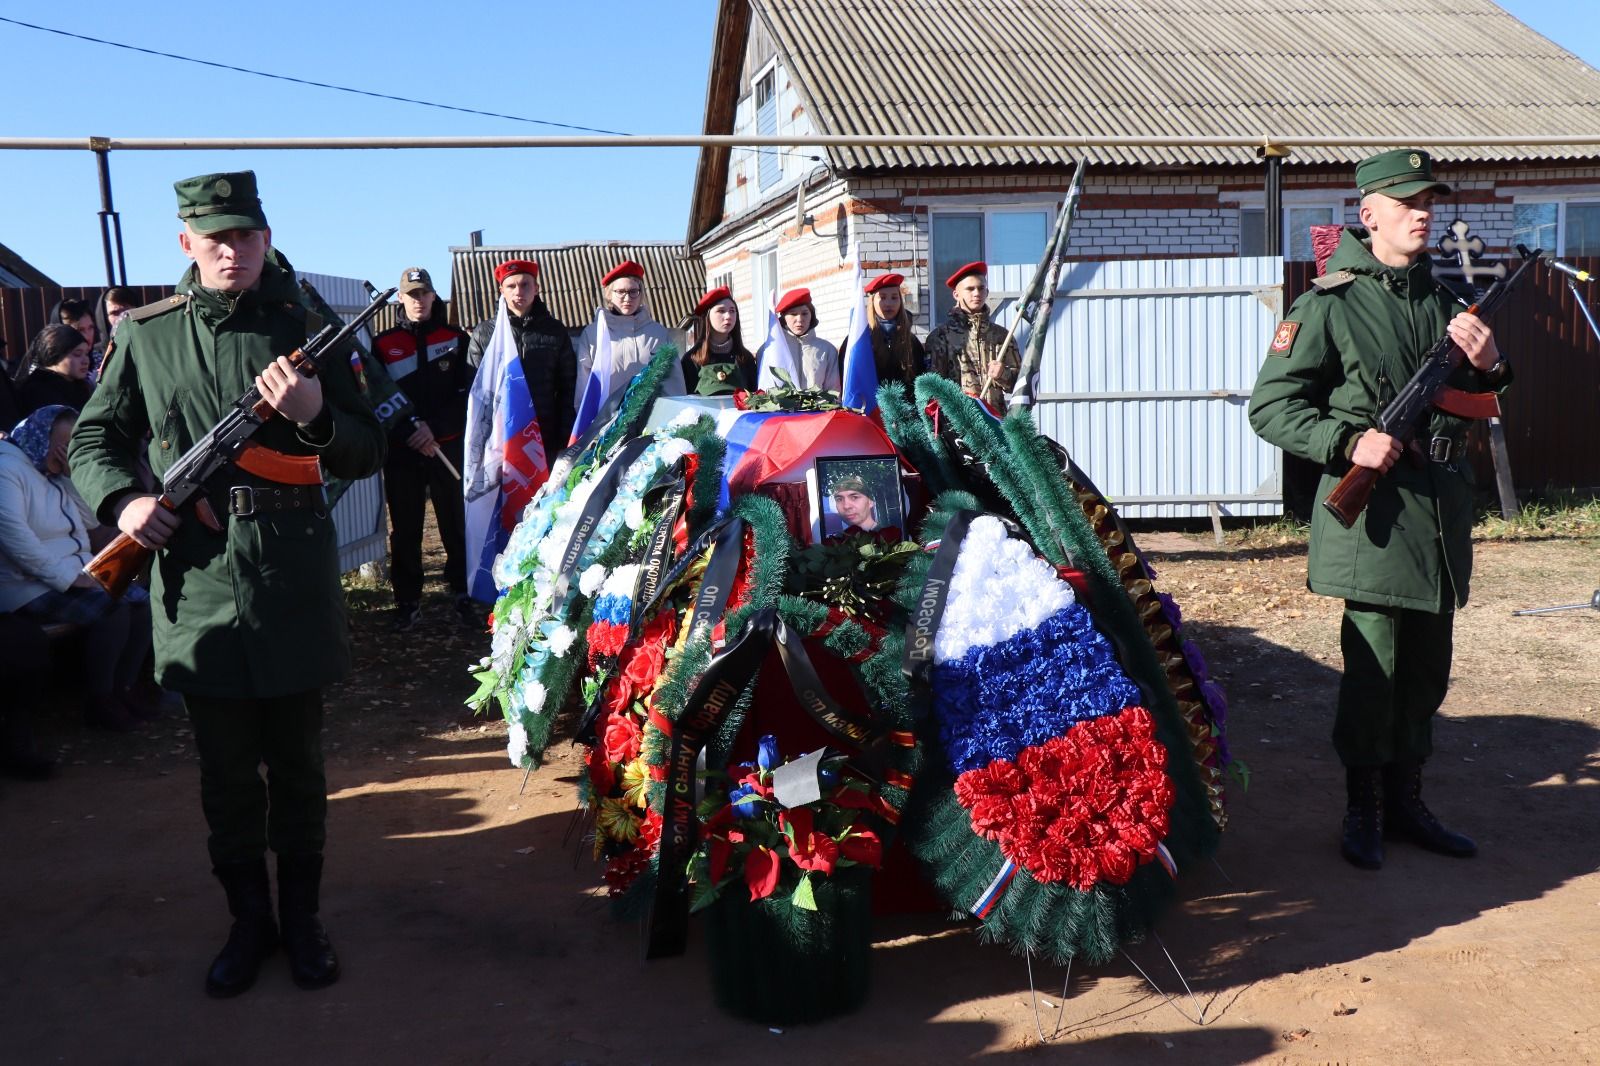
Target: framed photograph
{"type": "Point", "coordinates": [854, 493]}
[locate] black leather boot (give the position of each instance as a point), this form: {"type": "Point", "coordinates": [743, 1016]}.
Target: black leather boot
{"type": "Point", "coordinates": [254, 935]}
{"type": "Point", "coordinates": [1410, 819]}
{"type": "Point", "coordinates": [312, 961]}
{"type": "Point", "coordinates": [1362, 844]}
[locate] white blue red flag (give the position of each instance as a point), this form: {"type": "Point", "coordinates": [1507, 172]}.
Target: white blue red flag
{"type": "Point", "coordinates": [504, 462]}
{"type": "Point", "coordinates": [779, 354]}
{"type": "Point", "coordinates": [859, 389]}
{"type": "Point", "coordinates": [598, 386]}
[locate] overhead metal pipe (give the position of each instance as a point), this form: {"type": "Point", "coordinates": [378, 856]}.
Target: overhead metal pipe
{"type": "Point", "coordinates": [815, 140]}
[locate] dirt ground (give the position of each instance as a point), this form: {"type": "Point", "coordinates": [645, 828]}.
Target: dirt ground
{"type": "Point", "coordinates": [472, 930]}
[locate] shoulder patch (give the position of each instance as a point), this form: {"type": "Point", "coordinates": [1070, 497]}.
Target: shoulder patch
{"type": "Point", "coordinates": [159, 307]}
{"type": "Point", "coordinates": [1329, 282]}
{"type": "Point", "coordinates": [1283, 340]}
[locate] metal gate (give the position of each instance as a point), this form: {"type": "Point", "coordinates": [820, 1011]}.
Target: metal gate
{"type": "Point", "coordinates": [1146, 376]}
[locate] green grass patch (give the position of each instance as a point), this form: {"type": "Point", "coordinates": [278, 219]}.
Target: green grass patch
{"type": "Point", "coordinates": [1566, 515]}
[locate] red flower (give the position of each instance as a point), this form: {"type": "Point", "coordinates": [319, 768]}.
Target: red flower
{"type": "Point", "coordinates": [761, 870]}
{"type": "Point", "coordinates": [601, 774]}
{"type": "Point", "coordinates": [863, 847]}
{"type": "Point", "coordinates": [606, 639]}
{"type": "Point", "coordinates": [809, 848]}
{"type": "Point", "coordinates": [622, 739]}
{"type": "Point", "coordinates": [1082, 808]}
{"type": "Point", "coordinates": [643, 665]}
{"type": "Point", "coordinates": [661, 629]}
{"type": "Point", "coordinates": [618, 696]}
{"type": "Point", "coordinates": [650, 831]}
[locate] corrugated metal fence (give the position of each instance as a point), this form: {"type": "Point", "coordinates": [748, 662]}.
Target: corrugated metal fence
{"type": "Point", "coordinates": [1145, 377]}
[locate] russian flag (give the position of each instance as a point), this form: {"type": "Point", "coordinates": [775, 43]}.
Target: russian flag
{"type": "Point", "coordinates": [598, 387]}
{"type": "Point", "coordinates": [859, 390]}
{"type": "Point", "coordinates": [778, 354]}
{"type": "Point", "coordinates": [767, 446]}
{"type": "Point", "coordinates": [504, 462]}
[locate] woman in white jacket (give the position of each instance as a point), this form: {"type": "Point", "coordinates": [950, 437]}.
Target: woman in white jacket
{"type": "Point", "coordinates": [809, 361]}
{"type": "Point", "coordinates": [631, 337]}
{"type": "Point", "coordinates": [44, 543]}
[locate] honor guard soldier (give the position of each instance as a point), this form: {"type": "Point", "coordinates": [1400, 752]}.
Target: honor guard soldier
{"type": "Point", "coordinates": [249, 616]}
{"type": "Point", "coordinates": [1341, 354]}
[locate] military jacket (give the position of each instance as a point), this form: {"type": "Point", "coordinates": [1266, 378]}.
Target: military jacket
{"type": "Point", "coordinates": [950, 358]}
{"type": "Point", "coordinates": [256, 610]}
{"type": "Point", "coordinates": [1342, 353]}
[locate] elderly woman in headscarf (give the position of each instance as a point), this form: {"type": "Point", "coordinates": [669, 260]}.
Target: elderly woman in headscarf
{"type": "Point", "coordinates": [809, 361]}
{"type": "Point", "coordinates": [45, 544]}
{"type": "Point", "coordinates": [896, 353]}
{"type": "Point", "coordinates": [719, 350]}
{"type": "Point", "coordinates": [631, 336]}
{"type": "Point", "coordinates": [57, 371]}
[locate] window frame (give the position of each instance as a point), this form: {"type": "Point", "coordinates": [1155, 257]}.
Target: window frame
{"type": "Point", "coordinates": [1562, 200]}
{"type": "Point", "coordinates": [984, 210]}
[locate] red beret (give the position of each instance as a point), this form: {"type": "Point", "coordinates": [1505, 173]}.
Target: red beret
{"type": "Point", "coordinates": [792, 299]}
{"type": "Point", "coordinates": [625, 269]}
{"type": "Point", "coordinates": [885, 281]}
{"type": "Point", "coordinates": [978, 267]}
{"type": "Point", "coordinates": [515, 266]}
{"type": "Point", "coordinates": [712, 298]}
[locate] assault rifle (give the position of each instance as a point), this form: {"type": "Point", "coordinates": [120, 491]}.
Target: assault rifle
{"type": "Point", "coordinates": [118, 562]}
{"type": "Point", "coordinates": [1426, 388]}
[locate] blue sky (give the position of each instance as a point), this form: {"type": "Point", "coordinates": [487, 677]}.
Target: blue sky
{"type": "Point", "coordinates": [622, 65]}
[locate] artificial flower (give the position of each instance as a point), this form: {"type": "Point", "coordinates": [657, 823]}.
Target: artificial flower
{"type": "Point", "coordinates": [810, 848]}
{"type": "Point", "coordinates": [761, 872]}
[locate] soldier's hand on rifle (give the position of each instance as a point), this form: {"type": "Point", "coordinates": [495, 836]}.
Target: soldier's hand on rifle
{"type": "Point", "coordinates": [293, 395]}
{"type": "Point", "coordinates": [1377, 451]}
{"type": "Point", "coordinates": [143, 518]}
{"type": "Point", "coordinates": [996, 368]}
{"type": "Point", "coordinates": [1475, 338]}
{"type": "Point", "coordinates": [422, 439]}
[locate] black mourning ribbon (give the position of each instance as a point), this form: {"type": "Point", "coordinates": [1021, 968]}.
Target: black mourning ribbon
{"type": "Point", "coordinates": [714, 695]}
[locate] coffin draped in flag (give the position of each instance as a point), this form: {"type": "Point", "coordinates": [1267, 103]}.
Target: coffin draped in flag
{"type": "Point", "coordinates": [504, 458]}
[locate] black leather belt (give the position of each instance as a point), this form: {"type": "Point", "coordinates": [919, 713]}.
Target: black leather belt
{"type": "Point", "coordinates": [1445, 449]}
{"type": "Point", "coordinates": [247, 500]}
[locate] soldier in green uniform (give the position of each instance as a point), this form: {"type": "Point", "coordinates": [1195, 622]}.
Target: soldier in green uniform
{"type": "Point", "coordinates": [249, 617]}
{"type": "Point", "coordinates": [1344, 350]}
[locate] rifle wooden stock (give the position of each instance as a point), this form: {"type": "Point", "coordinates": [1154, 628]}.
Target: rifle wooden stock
{"type": "Point", "coordinates": [121, 561]}
{"type": "Point", "coordinates": [1349, 497]}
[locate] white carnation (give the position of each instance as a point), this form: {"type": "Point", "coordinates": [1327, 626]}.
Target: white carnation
{"type": "Point", "coordinates": [560, 640]}
{"type": "Point", "coordinates": [517, 744]}
{"type": "Point", "coordinates": [591, 580]}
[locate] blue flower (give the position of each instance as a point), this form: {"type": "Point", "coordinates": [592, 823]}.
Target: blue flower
{"type": "Point", "coordinates": [767, 756]}
{"type": "Point", "coordinates": [746, 801]}
{"type": "Point", "coordinates": [1000, 698]}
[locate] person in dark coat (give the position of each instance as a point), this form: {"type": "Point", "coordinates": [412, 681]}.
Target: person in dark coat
{"type": "Point", "coordinates": [427, 358]}
{"type": "Point", "coordinates": [971, 349]}
{"type": "Point", "coordinates": [897, 354]}
{"type": "Point", "coordinates": [58, 371]}
{"type": "Point", "coordinates": [719, 345]}
{"type": "Point", "coordinates": [549, 362]}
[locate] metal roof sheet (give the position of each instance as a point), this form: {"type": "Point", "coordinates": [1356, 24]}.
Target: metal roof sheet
{"type": "Point", "coordinates": [1267, 68]}
{"type": "Point", "coordinates": [569, 278]}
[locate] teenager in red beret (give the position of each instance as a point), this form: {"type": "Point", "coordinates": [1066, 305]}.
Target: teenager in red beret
{"type": "Point", "coordinates": [544, 345]}
{"type": "Point", "coordinates": [968, 348]}
{"type": "Point", "coordinates": [719, 343]}
{"type": "Point", "coordinates": [896, 352]}
{"type": "Point", "coordinates": [635, 334]}
{"type": "Point", "coordinates": [810, 361]}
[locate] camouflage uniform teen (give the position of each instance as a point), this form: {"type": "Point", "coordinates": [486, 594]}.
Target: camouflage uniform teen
{"type": "Point", "coordinates": [249, 621]}
{"type": "Point", "coordinates": [968, 348]}
{"type": "Point", "coordinates": [1343, 351]}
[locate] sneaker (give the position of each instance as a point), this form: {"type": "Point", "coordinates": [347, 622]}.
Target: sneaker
{"type": "Point", "coordinates": [470, 613]}
{"type": "Point", "coordinates": [406, 615]}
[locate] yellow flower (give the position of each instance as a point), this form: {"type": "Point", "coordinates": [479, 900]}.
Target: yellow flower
{"type": "Point", "coordinates": [616, 821]}
{"type": "Point", "coordinates": [635, 783]}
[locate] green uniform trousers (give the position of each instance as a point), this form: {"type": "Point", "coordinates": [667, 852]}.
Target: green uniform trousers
{"type": "Point", "coordinates": [1396, 672]}
{"type": "Point", "coordinates": [246, 815]}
